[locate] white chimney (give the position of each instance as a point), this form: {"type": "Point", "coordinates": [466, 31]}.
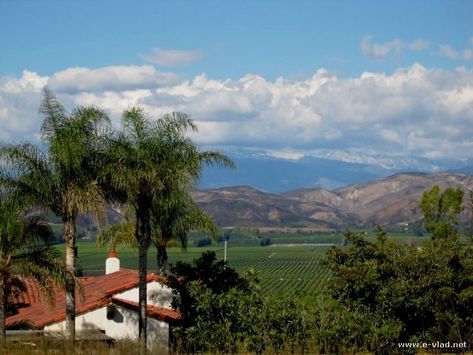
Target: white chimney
{"type": "Point", "coordinates": [112, 263]}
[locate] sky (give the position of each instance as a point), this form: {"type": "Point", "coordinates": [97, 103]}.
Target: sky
{"type": "Point", "coordinates": [286, 77]}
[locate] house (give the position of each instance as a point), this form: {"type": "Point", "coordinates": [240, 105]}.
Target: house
{"type": "Point", "coordinates": [108, 303]}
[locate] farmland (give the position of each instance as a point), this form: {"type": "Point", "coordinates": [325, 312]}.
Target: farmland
{"type": "Point", "coordinates": [280, 268]}
{"type": "Point", "coordinates": [294, 263]}
{"type": "Point", "coordinates": [284, 268]}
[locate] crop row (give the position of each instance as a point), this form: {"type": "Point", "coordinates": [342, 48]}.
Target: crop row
{"type": "Point", "coordinates": [306, 274]}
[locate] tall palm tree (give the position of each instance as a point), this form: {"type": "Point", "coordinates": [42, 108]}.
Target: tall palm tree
{"type": "Point", "coordinates": [64, 178]}
{"type": "Point", "coordinates": [144, 158]}
{"type": "Point", "coordinates": [173, 215]}
{"type": "Point", "coordinates": [26, 251]}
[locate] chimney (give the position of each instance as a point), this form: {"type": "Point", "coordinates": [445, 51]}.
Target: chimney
{"type": "Point", "coordinates": [112, 263]}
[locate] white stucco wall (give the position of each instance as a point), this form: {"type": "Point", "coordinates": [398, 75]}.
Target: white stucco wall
{"type": "Point", "coordinates": [124, 324]}
{"type": "Point", "coordinates": [158, 295]}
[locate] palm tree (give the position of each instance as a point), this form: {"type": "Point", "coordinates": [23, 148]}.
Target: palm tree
{"type": "Point", "coordinates": [173, 215]}
{"type": "Point", "coordinates": [63, 179]}
{"type": "Point", "coordinates": [144, 158]}
{"type": "Point", "coordinates": [26, 251]}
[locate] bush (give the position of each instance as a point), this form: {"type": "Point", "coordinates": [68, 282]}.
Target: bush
{"type": "Point", "coordinates": [265, 242]}
{"type": "Point", "coordinates": [223, 312]}
{"type": "Point", "coordinates": [422, 294]}
{"type": "Point", "coordinates": [203, 242]}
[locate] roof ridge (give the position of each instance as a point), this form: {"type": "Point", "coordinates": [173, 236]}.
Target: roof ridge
{"type": "Point", "coordinates": [158, 312]}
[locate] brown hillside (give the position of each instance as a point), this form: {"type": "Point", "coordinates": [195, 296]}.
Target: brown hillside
{"type": "Point", "coordinates": [389, 201]}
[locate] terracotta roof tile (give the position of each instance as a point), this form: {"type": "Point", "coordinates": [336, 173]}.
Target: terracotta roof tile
{"type": "Point", "coordinates": [159, 313]}
{"type": "Point", "coordinates": [33, 311]}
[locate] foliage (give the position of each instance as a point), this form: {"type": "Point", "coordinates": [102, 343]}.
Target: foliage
{"type": "Point", "coordinates": [63, 180]}
{"type": "Point", "coordinates": [426, 293]}
{"type": "Point", "coordinates": [265, 242]}
{"type": "Point", "coordinates": [173, 215]}
{"type": "Point", "coordinates": [418, 228]}
{"type": "Point", "coordinates": [224, 312]}
{"type": "Point", "coordinates": [338, 328]}
{"type": "Point", "coordinates": [213, 274]}
{"type": "Point", "coordinates": [145, 161]}
{"type": "Point", "coordinates": [25, 251]}
{"type": "Point", "coordinates": [441, 210]}
{"type": "Point", "coordinates": [203, 242]}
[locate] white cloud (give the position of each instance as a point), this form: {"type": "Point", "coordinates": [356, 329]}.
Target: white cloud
{"type": "Point", "coordinates": [416, 110]}
{"type": "Point", "coordinates": [113, 78]}
{"type": "Point", "coordinates": [465, 54]}
{"type": "Point", "coordinates": [381, 50]}
{"type": "Point", "coordinates": [171, 57]}
{"type": "Point", "coordinates": [19, 103]}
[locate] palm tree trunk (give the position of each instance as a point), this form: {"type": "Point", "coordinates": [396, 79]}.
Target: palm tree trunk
{"type": "Point", "coordinates": [70, 237]}
{"type": "Point", "coordinates": [143, 237]}
{"type": "Point", "coordinates": [162, 259]}
{"type": "Point", "coordinates": [2, 309]}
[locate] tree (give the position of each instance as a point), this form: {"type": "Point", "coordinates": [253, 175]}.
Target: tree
{"type": "Point", "coordinates": [212, 275]}
{"type": "Point", "coordinates": [173, 215]}
{"type": "Point", "coordinates": [64, 179]}
{"type": "Point", "coordinates": [441, 210]}
{"type": "Point", "coordinates": [26, 251]}
{"type": "Point", "coordinates": [470, 226]}
{"type": "Point", "coordinates": [143, 159]}
{"type": "Point", "coordinates": [222, 311]}
{"type": "Point", "coordinates": [409, 293]}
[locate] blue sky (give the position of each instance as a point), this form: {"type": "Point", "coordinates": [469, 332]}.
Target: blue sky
{"type": "Point", "coordinates": [221, 60]}
{"type": "Point", "coordinates": [270, 38]}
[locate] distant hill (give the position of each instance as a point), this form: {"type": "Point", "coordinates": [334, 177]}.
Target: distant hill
{"type": "Point", "coordinates": [326, 169]}
{"type": "Point", "coordinates": [245, 206]}
{"type": "Point", "coordinates": [391, 201]}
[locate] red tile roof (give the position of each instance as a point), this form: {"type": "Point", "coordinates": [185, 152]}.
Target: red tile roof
{"type": "Point", "coordinates": [159, 313]}
{"type": "Point", "coordinates": [34, 311]}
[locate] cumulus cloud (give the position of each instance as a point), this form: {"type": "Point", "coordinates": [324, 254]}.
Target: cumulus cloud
{"type": "Point", "coordinates": [415, 110]}
{"type": "Point", "coordinates": [19, 103]}
{"type": "Point", "coordinates": [465, 54]}
{"type": "Point", "coordinates": [381, 50]}
{"type": "Point", "coordinates": [112, 78]}
{"type": "Point", "coordinates": [171, 57]}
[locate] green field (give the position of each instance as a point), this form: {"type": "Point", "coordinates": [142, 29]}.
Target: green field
{"type": "Point", "coordinates": [292, 264]}
{"type": "Point", "coordinates": [283, 268]}
{"type": "Point", "coordinates": [280, 268]}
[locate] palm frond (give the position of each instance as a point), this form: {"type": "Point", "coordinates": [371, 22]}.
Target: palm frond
{"type": "Point", "coordinates": [86, 198]}
{"type": "Point", "coordinates": [37, 230]}
{"type": "Point", "coordinates": [195, 219]}
{"type": "Point", "coordinates": [135, 123]}
{"type": "Point", "coordinates": [216, 158]}
{"type": "Point", "coordinates": [54, 114]}
{"type": "Point", "coordinates": [176, 124]}
{"type": "Point", "coordinates": [18, 159]}
{"type": "Point", "coordinates": [44, 265]}
{"type": "Point", "coordinates": [26, 174]}
{"type": "Point", "coordinates": [117, 235]}
{"type": "Point", "coordinates": [91, 119]}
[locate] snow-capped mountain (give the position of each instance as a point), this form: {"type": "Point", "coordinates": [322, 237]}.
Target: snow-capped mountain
{"type": "Point", "coordinates": [277, 171]}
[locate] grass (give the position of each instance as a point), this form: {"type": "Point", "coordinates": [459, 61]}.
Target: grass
{"type": "Point", "coordinates": [44, 345]}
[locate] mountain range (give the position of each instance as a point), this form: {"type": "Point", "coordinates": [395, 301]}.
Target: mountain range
{"type": "Point", "coordinates": [277, 172]}
{"type": "Point", "coordinates": [389, 201]}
